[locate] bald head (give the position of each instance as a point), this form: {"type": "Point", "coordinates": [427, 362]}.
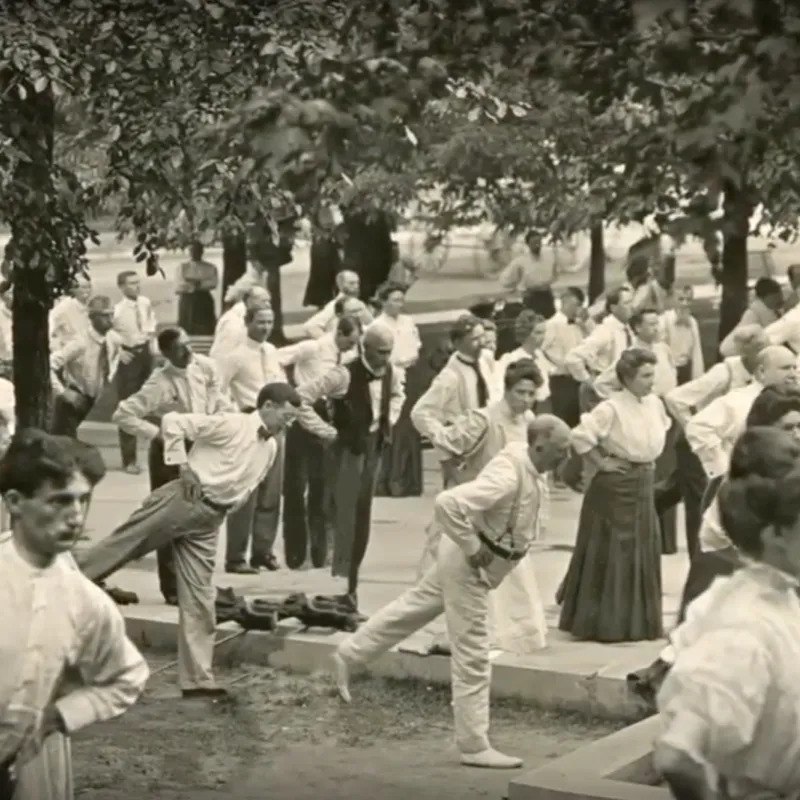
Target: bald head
{"type": "Point", "coordinates": [256, 298]}
{"type": "Point", "coordinates": [348, 283]}
{"type": "Point", "coordinates": [378, 335]}
{"type": "Point", "coordinates": [377, 344]}
{"type": "Point", "coordinates": [548, 442]}
{"type": "Point", "coordinates": [775, 366]}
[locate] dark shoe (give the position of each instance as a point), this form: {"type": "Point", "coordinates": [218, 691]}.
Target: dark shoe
{"type": "Point", "coordinates": [210, 692]}
{"type": "Point", "coordinates": [269, 563]}
{"type": "Point", "coordinates": [240, 569]}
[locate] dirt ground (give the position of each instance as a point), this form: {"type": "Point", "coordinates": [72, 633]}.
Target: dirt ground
{"type": "Point", "coordinates": [287, 736]}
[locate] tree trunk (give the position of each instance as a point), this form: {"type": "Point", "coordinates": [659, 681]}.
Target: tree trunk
{"type": "Point", "coordinates": [734, 274]}
{"type": "Point", "coordinates": [234, 261]}
{"type": "Point", "coordinates": [31, 220]}
{"type": "Point", "coordinates": [368, 249]}
{"type": "Point", "coordinates": [597, 262]}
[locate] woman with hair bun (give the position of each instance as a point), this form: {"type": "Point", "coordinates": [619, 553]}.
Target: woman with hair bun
{"type": "Point", "coordinates": [612, 591]}
{"type": "Point", "coordinates": [730, 704]}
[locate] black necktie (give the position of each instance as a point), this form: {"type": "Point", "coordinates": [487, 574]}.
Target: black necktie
{"type": "Point", "coordinates": [628, 337]}
{"type": "Point", "coordinates": [483, 389]}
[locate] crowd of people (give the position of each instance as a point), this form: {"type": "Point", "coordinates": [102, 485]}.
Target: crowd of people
{"type": "Point", "coordinates": [618, 406]}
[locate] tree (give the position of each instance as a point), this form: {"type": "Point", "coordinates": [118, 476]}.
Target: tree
{"type": "Point", "coordinates": [215, 113]}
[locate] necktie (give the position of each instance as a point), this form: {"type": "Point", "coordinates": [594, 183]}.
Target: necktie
{"type": "Point", "coordinates": [628, 337]}
{"type": "Point", "coordinates": [103, 365]}
{"type": "Point", "coordinates": [483, 389]}
{"type": "Point", "coordinates": [139, 317]}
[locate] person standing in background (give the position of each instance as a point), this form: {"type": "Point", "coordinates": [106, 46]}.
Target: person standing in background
{"type": "Point", "coordinates": [135, 324]}
{"type": "Point", "coordinates": [564, 333]}
{"type": "Point", "coordinates": [681, 333]}
{"type": "Point", "coordinates": [188, 384]}
{"type": "Point", "coordinates": [765, 311]}
{"type": "Point", "coordinates": [460, 387]}
{"type": "Point", "coordinates": [69, 317]}
{"type": "Point", "coordinates": [530, 330]}
{"type": "Point", "coordinates": [401, 467]}
{"type": "Point", "coordinates": [196, 280]}
{"type": "Point", "coordinates": [308, 467]}
{"type": "Point", "coordinates": [602, 347]}
{"type": "Point", "coordinates": [83, 369]}
{"type": "Point", "coordinates": [532, 277]}
{"type": "Point", "coordinates": [242, 374]}
{"type": "Point", "coordinates": [231, 332]}
{"type": "Point", "coordinates": [6, 326]}
{"type": "Point", "coordinates": [349, 286]}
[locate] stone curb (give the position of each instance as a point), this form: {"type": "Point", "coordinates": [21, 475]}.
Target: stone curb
{"type": "Point", "coordinates": [600, 694]}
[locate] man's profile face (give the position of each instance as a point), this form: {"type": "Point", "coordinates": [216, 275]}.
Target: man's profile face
{"type": "Point", "coordinates": [53, 518]}
{"type": "Point", "coordinates": [277, 416]}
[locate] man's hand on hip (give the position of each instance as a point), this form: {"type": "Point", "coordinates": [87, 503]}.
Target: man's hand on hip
{"type": "Point", "coordinates": [192, 489]}
{"type": "Point", "coordinates": [482, 558]}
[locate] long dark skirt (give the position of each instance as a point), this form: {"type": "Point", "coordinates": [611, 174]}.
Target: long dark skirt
{"type": "Point", "coordinates": [401, 464]}
{"type": "Point", "coordinates": [196, 314]}
{"type": "Point", "coordinates": [612, 591]}
{"type": "Point", "coordinates": [665, 470]}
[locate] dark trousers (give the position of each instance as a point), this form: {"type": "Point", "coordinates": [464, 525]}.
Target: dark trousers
{"type": "Point", "coordinates": [67, 417]}
{"type": "Point", "coordinates": [160, 474]}
{"type": "Point", "coordinates": [542, 301]}
{"type": "Point", "coordinates": [564, 394]}
{"type": "Point", "coordinates": [305, 522]}
{"type": "Point", "coordinates": [352, 500]}
{"type": "Point", "coordinates": [131, 378]}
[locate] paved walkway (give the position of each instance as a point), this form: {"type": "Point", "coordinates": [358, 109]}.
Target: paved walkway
{"type": "Point", "coordinates": [397, 540]}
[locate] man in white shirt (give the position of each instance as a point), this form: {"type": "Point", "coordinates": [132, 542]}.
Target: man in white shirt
{"type": "Point", "coordinates": [459, 388]}
{"type": "Point", "coordinates": [602, 347]}
{"type": "Point", "coordinates": [366, 397]}
{"type": "Point", "coordinates": [230, 456]}
{"type": "Point", "coordinates": [713, 431]}
{"type": "Point", "coordinates": [563, 333]}
{"type": "Point", "coordinates": [56, 623]}
{"type": "Point", "coordinates": [69, 317]}
{"type": "Point", "coordinates": [487, 525]}
{"type": "Point", "coordinates": [230, 331]}
{"type": "Point", "coordinates": [187, 383]}
{"type": "Point", "coordinates": [83, 369]}
{"type": "Point", "coordinates": [349, 286]}
{"type": "Point", "coordinates": [531, 276]}
{"type": "Point", "coordinates": [252, 365]}
{"type": "Point", "coordinates": [135, 323]}
{"type": "Point", "coordinates": [306, 519]}
{"type": "Point", "coordinates": [680, 331]}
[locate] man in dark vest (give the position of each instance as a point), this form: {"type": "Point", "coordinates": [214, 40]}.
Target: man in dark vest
{"type": "Point", "coordinates": [366, 398]}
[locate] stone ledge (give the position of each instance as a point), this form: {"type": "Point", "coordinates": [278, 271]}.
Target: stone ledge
{"type": "Point", "coordinates": [566, 688]}
{"type": "Point", "coordinates": [616, 767]}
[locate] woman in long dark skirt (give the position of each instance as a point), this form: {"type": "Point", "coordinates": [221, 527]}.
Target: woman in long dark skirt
{"type": "Point", "coordinates": [612, 591]}
{"type": "Point", "coordinates": [400, 472]}
{"type": "Point", "coordinates": [197, 280]}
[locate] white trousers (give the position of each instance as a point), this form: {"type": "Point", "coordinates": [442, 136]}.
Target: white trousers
{"type": "Point", "coordinates": [48, 776]}
{"type": "Point", "coordinates": [453, 587]}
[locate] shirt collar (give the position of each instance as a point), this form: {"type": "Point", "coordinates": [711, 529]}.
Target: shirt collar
{"type": "Point", "coordinates": [96, 337]}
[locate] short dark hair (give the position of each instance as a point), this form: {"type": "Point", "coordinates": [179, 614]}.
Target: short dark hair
{"type": "Point", "coordinates": [526, 323]}
{"type": "Point", "coordinates": [767, 287]}
{"type": "Point", "coordinates": [387, 289]}
{"type": "Point", "coordinates": [278, 393]}
{"type": "Point", "coordinates": [631, 361]}
{"type": "Point", "coordinates": [34, 458]}
{"type": "Point", "coordinates": [167, 337]}
{"type": "Point", "coordinates": [613, 298]}
{"type": "Point", "coordinates": [637, 318]}
{"type": "Point", "coordinates": [483, 309]}
{"type": "Point", "coordinates": [523, 370]}
{"type": "Point", "coordinates": [463, 326]}
{"type": "Point", "coordinates": [99, 302]}
{"type": "Point", "coordinates": [577, 293]}
{"type": "Point", "coordinates": [347, 326]}
{"type": "Point", "coordinates": [123, 276]}
{"type": "Point", "coordinates": [773, 404]}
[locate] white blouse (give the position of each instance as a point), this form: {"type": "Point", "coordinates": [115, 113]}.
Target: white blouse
{"type": "Point", "coordinates": [625, 426]}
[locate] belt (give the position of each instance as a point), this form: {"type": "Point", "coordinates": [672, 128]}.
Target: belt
{"type": "Point", "coordinates": [214, 506]}
{"type": "Point", "coordinates": [500, 551]}
{"type": "Point", "coordinates": [135, 348]}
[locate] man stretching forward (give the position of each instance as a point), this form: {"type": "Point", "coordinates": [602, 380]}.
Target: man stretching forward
{"type": "Point", "coordinates": [487, 524]}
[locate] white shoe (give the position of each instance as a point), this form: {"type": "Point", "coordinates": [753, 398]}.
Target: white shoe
{"type": "Point", "coordinates": [341, 674]}
{"type": "Point", "coordinates": [490, 759]}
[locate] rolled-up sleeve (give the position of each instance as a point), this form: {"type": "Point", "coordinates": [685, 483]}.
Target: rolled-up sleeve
{"type": "Point", "coordinates": [706, 433]}
{"type": "Point", "coordinates": [456, 509]}
{"type": "Point", "coordinates": [684, 400]}
{"type": "Point", "coordinates": [428, 413]}
{"type": "Point", "coordinates": [130, 414]}
{"type": "Point", "coordinates": [334, 383]}
{"type": "Point", "coordinates": [177, 428]}
{"type": "Point", "coordinates": [589, 352]}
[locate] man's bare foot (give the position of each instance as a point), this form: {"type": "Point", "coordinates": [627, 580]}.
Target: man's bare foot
{"type": "Point", "coordinates": [341, 674]}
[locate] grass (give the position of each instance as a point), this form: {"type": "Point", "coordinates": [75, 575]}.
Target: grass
{"type": "Point", "coordinates": [292, 722]}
